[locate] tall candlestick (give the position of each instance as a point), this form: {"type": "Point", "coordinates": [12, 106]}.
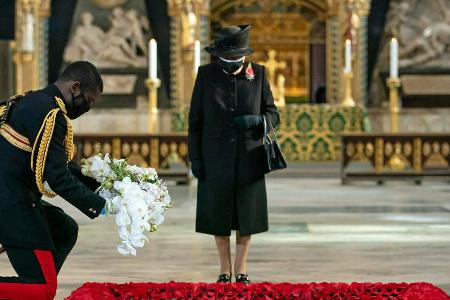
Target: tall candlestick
{"type": "Point", "coordinates": [196, 55]}
{"type": "Point", "coordinates": [348, 56]}
{"type": "Point", "coordinates": [394, 58]}
{"type": "Point", "coordinates": [152, 64]}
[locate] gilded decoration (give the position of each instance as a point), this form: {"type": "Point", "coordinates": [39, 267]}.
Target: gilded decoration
{"type": "Point", "coordinates": [161, 152]}
{"type": "Point", "coordinates": [27, 44]}
{"type": "Point", "coordinates": [186, 22]}
{"type": "Point", "coordinates": [418, 154]}
{"type": "Point", "coordinates": [284, 29]}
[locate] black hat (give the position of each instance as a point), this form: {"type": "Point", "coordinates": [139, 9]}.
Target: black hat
{"type": "Point", "coordinates": [231, 41]}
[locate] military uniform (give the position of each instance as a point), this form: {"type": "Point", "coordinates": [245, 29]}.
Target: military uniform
{"type": "Point", "coordinates": [36, 143]}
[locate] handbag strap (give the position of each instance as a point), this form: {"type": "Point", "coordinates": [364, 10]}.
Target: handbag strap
{"type": "Point", "coordinates": [274, 136]}
{"type": "Point", "coordinates": [266, 138]}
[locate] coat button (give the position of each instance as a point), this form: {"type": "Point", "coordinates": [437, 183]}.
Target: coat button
{"type": "Point", "coordinates": [90, 209]}
{"type": "Point", "coordinates": [33, 205]}
{"type": "Point", "coordinates": [232, 140]}
{"type": "Point", "coordinates": [95, 212]}
{"type": "Point", "coordinates": [232, 109]}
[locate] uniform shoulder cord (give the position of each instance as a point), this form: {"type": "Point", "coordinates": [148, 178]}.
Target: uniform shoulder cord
{"type": "Point", "coordinates": [45, 135]}
{"type": "Point", "coordinates": [4, 105]}
{"type": "Point", "coordinates": [2, 109]}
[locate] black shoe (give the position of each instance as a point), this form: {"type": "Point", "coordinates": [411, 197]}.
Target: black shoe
{"type": "Point", "coordinates": [243, 278]}
{"type": "Point", "coordinates": [224, 278]}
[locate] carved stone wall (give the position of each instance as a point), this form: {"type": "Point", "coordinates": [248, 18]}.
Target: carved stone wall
{"type": "Point", "coordinates": [422, 28]}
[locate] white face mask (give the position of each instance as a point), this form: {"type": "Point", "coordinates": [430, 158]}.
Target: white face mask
{"type": "Point", "coordinates": [231, 66]}
{"type": "Point", "coordinates": [234, 60]}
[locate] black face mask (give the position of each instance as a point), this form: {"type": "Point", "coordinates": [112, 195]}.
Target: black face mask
{"type": "Point", "coordinates": [230, 66]}
{"type": "Point", "coordinates": [78, 106]}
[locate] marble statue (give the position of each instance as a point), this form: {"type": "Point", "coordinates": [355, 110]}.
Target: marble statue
{"type": "Point", "coordinates": [396, 17]}
{"type": "Point", "coordinates": [122, 45]}
{"type": "Point", "coordinates": [424, 39]}
{"type": "Point", "coordinates": [86, 42]}
{"type": "Point", "coordinates": [137, 26]}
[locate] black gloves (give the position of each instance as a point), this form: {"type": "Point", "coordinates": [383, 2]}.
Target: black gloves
{"type": "Point", "coordinates": [197, 169]}
{"type": "Point", "coordinates": [248, 121]}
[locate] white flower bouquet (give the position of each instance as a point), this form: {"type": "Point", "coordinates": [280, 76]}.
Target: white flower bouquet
{"type": "Point", "coordinates": [136, 195]}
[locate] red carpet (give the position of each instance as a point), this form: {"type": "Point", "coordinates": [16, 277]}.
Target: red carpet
{"type": "Point", "coordinates": [266, 291]}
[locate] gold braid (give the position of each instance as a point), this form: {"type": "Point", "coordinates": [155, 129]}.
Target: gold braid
{"type": "Point", "coordinates": [2, 109]}
{"type": "Point", "coordinates": [46, 131]}
{"type": "Point", "coordinates": [68, 141]}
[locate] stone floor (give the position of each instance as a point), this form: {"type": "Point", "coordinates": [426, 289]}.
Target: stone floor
{"type": "Point", "coordinates": [319, 231]}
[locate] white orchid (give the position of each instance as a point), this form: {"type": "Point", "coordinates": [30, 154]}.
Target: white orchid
{"type": "Point", "coordinates": [123, 233]}
{"type": "Point", "coordinates": [122, 218]}
{"type": "Point", "coordinates": [135, 194]}
{"type": "Point", "coordinates": [126, 248]}
{"type": "Point", "coordinates": [137, 239]}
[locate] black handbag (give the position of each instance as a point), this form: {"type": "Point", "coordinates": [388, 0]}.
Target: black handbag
{"type": "Point", "coordinates": [274, 159]}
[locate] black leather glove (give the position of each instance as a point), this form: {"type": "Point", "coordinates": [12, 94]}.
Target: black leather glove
{"type": "Point", "coordinates": [197, 169]}
{"type": "Point", "coordinates": [248, 121]}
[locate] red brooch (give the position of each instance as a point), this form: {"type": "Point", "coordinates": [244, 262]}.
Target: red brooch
{"type": "Point", "coordinates": [249, 74]}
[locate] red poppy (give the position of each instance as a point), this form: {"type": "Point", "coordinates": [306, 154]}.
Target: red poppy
{"type": "Point", "coordinates": [263, 291]}
{"type": "Point", "coordinates": [249, 74]}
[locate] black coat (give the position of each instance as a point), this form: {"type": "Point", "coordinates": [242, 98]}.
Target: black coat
{"type": "Point", "coordinates": [22, 216]}
{"type": "Point", "coordinates": [232, 158]}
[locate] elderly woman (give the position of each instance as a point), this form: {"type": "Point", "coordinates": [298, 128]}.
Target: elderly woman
{"type": "Point", "coordinates": [229, 100]}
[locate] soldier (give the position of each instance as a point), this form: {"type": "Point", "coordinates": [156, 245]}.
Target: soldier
{"type": "Point", "coordinates": [36, 143]}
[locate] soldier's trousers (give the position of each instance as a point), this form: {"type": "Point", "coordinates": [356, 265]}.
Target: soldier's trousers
{"type": "Point", "coordinates": [37, 269]}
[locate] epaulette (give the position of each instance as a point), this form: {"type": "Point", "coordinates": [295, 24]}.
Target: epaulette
{"type": "Point", "coordinates": [18, 96]}
{"type": "Point", "coordinates": [6, 106]}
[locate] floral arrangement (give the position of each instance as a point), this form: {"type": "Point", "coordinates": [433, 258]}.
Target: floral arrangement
{"type": "Point", "coordinates": [136, 195]}
{"type": "Point", "coordinates": [264, 291]}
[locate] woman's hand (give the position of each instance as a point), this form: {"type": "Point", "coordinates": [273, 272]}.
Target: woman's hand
{"type": "Point", "coordinates": [248, 121]}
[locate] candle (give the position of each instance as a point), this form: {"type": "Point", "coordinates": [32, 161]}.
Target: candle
{"type": "Point", "coordinates": [27, 44]}
{"type": "Point", "coordinates": [153, 63]}
{"type": "Point", "coordinates": [394, 58]}
{"type": "Point", "coordinates": [348, 56]}
{"type": "Point", "coordinates": [196, 55]}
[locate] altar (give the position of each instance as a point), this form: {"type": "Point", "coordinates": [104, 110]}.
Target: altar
{"type": "Point", "coordinates": [308, 132]}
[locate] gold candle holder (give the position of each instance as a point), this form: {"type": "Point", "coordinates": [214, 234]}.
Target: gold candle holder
{"type": "Point", "coordinates": [153, 84]}
{"type": "Point", "coordinates": [348, 99]}
{"type": "Point", "coordinates": [393, 83]}
{"type": "Point", "coordinates": [396, 162]}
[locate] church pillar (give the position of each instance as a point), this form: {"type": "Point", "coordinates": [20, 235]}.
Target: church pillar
{"type": "Point", "coordinates": [188, 22]}
{"type": "Point", "coordinates": [347, 19]}
{"type": "Point", "coordinates": [360, 60]}
{"type": "Point", "coordinates": [334, 50]}
{"type": "Point", "coordinates": [44, 14]}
